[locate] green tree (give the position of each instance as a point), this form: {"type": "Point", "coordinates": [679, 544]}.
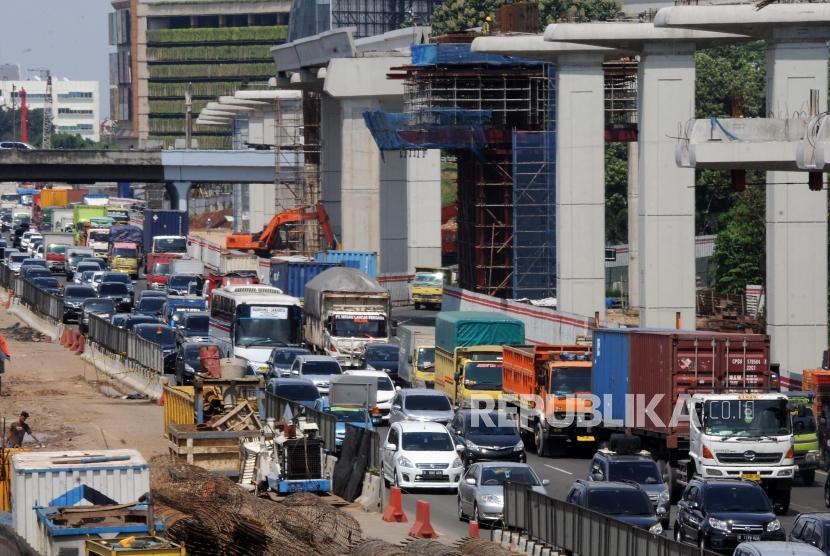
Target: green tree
{"type": "Point", "coordinates": [9, 119]}
{"type": "Point", "coordinates": [731, 77]}
{"type": "Point", "coordinates": [616, 193]}
{"type": "Point", "coordinates": [739, 257]}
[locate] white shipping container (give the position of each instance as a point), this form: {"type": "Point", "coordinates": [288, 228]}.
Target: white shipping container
{"type": "Point", "coordinates": [37, 480]}
{"type": "Point", "coordinates": [237, 261]}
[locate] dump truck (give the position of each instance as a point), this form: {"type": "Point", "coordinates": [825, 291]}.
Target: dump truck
{"type": "Point", "coordinates": [416, 364]}
{"type": "Point", "coordinates": [548, 387]}
{"type": "Point", "coordinates": [427, 289]}
{"type": "Point", "coordinates": [344, 309]}
{"type": "Point", "coordinates": [805, 435]}
{"type": "Point", "coordinates": [468, 353]}
{"type": "Point", "coordinates": [702, 403]}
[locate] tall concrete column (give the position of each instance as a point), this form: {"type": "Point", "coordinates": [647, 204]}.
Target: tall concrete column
{"type": "Point", "coordinates": [580, 184]}
{"type": "Point", "coordinates": [666, 80]}
{"type": "Point", "coordinates": [330, 161]}
{"type": "Point", "coordinates": [796, 217]}
{"type": "Point", "coordinates": [178, 192]}
{"type": "Point", "coordinates": [633, 225]}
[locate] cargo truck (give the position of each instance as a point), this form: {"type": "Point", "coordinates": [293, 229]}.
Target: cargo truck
{"type": "Point", "coordinates": [124, 250]}
{"type": "Point", "coordinates": [344, 309]}
{"type": "Point", "coordinates": [57, 219]}
{"type": "Point", "coordinates": [548, 387]}
{"type": "Point", "coordinates": [55, 245]}
{"type": "Point", "coordinates": [157, 269]}
{"type": "Point", "coordinates": [416, 366]}
{"type": "Point", "coordinates": [81, 216]}
{"type": "Point", "coordinates": [165, 231]}
{"type": "Point", "coordinates": [427, 288]}
{"type": "Point", "coordinates": [805, 435]}
{"type": "Point", "coordinates": [702, 403]}
{"type": "Point", "coordinates": [816, 382]}
{"type": "Point", "coordinates": [468, 353]}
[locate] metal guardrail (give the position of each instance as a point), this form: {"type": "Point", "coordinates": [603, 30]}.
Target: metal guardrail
{"type": "Point", "coordinates": [108, 336]}
{"type": "Point", "coordinates": [374, 449]}
{"type": "Point", "coordinates": [575, 529]}
{"type": "Point", "coordinates": [44, 303]}
{"type": "Point", "coordinates": [275, 409]}
{"type": "Point", "coordinates": [6, 276]}
{"type": "Point", "coordinates": [145, 353]}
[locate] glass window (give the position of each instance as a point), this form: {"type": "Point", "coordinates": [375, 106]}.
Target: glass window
{"type": "Point", "coordinates": [619, 502]}
{"type": "Point", "coordinates": [321, 368]}
{"type": "Point", "coordinates": [298, 392]}
{"type": "Point", "coordinates": [382, 353]}
{"type": "Point", "coordinates": [358, 327]}
{"type": "Point", "coordinates": [113, 288]}
{"type": "Point", "coordinates": [157, 334]}
{"type": "Point", "coordinates": [642, 472]}
{"type": "Point", "coordinates": [483, 376]}
{"type": "Point", "coordinates": [427, 442]}
{"type": "Point", "coordinates": [736, 498]}
{"type": "Point", "coordinates": [426, 358]}
{"type": "Point", "coordinates": [490, 424]}
{"type": "Point", "coordinates": [497, 476]}
{"type": "Point", "coordinates": [427, 403]}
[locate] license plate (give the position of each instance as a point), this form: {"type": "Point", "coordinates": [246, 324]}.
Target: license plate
{"type": "Point", "coordinates": [749, 538]}
{"type": "Point", "coordinates": [588, 438]}
{"type": "Point", "coordinates": [433, 474]}
{"type": "Point", "coordinates": [557, 430]}
{"type": "Point", "coordinates": [751, 476]}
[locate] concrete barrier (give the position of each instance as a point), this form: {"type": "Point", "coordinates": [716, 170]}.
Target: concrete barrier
{"type": "Point", "coordinates": [35, 321]}
{"type": "Point", "coordinates": [371, 497]}
{"type": "Point", "coordinates": [519, 543]}
{"type": "Point", "coordinates": [131, 375]}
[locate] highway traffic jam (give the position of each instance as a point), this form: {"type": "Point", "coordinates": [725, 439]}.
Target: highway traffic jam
{"type": "Point", "coordinates": [685, 434]}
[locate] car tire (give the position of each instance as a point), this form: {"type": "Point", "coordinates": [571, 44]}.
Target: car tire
{"type": "Point", "coordinates": [808, 477]}
{"type": "Point", "coordinates": [541, 443]}
{"type": "Point", "coordinates": [461, 515]}
{"type": "Point", "coordinates": [476, 516]}
{"type": "Point", "coordinates": [386, 481]}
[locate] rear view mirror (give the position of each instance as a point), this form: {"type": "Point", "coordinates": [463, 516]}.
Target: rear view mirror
{"type": "Point", "coordinates": [459, 447]}
{"type": "Point", "coordinates": [597, 476]}
{"type": "Point", "coordinates": [391, 447]}
{"type": "Point", "coordinates": [470, 480]}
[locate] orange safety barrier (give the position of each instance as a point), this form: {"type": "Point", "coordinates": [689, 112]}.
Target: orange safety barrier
{"type": "Point", "coordinates": [473, 534]}
{"type": "Point", "coordinates": [394, 511]}
{"type": "Point", "coordinates": [79, 348]}
{"type": "Point", "coordinates": [422, 529]}
{"type": "Point", "coordinates": [64, 336]}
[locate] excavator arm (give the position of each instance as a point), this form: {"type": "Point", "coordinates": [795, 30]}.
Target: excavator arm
{"type": "Point", "coordinates": [264, 241]}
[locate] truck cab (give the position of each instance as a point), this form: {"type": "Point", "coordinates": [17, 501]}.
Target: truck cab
{"type": "Point", "coordinates": [805, 435]}
{"type": "Point", "coordinates": [158, 269]}
{"type": "Point", "coordinates": [474, 371]}
{"type": "Point", "coordinates": [349, 329]}
{"type": "Point", "coordinates": [123, 257]}
{"type": "Point", "coordinates": [427, 288]}
{"type": "Point", "coordinates": [55, 255]}
{"type": "Point", "coordinates": [98, 240]}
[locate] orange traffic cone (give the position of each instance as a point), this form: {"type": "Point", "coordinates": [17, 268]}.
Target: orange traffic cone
{"type": "Point", "coordinates": [473, 534]}
{"type": "Point", "coordinates": [394, 510]}
{"type": "Point", "coordinates": [422, 528]}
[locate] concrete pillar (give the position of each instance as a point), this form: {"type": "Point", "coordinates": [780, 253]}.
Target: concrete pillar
{"type": "Point", "coordinates": [796, 217]}
{"type": "Point", "coordinates": [260, 205]}
{"type": "Point", "coordinates": [633, 225]}
{"type": "Point", "coordinates": [666, 78]}
{"type": "Point", "coordinates": [580, 184]}
{"type": "Point", "coordinates": [178, 192]}
{"type": "Point", "coordinates": [330, 161]}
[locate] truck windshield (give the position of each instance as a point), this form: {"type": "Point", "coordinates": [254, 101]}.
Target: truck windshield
{"type": "Point", "coordinates": [267, 325]}
{"type": "Point", "coordinates": [483, 376]}
{"type": "Point", "coordinates": [99, 235]}
{"type": "Point", "coordinates": [642, 472]}
{"type": "Point", "coordinates": [570, 380]}
{"type": "Point", "coordinates": [430, 279]}
{"type": "Point", "coordinates": [803, 420]}
{"type": "Point", "coordinates": [170, 245]}
{"type": "Point", "coordinates": [125, 252]}
{"type": "Point", "coordinates": [359, 326]}
{"type": "Point", "coordinates": [753, 418]}
{"type": "Point", "coordinates": [161, 269]}
{"type": "Point", "coordinates": [426, 358]}
{"type": "Point", "coordinates": [56, 249]}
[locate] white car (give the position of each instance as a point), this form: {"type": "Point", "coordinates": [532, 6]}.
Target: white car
{"type": "Point", "coordinates": [97, 278]}
{"type": "Point", "coordinates": [421, 455]}
{"type": "Point", "coordinates": [386, 391]}
{"type": "Point", "coordinates": [25, 238]}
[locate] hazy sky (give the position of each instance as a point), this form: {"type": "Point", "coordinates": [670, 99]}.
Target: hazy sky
{"type": "Point", "coordinates": [70, 37]}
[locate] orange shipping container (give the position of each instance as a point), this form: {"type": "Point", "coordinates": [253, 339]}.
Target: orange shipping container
{"type": "Point", "coordinates": [54, 198]}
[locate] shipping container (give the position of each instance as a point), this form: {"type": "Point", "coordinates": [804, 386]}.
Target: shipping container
{"type": "Point", "coordinates": [76, 195]}
{"type": "Point", "coordinates": [237, 261]}
{"type": "Point", "coordinates": [292, 276]}
{"type": "Point", "coordinates": [42, 478]}
{"type": "Point", "coordinates": [609, 375]}
{"type": "Point", "coordinates": [54, 198]}
{"type": "Point", "coordinates": [365, 261]}
{"type": "Point", "coordinates": [164, 223]}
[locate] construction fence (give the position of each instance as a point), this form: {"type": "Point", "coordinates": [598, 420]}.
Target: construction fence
{"type": "Point", "coordinates": [277, 407]}
{"type": "Point", "coordinates": [123, 343]}
{"type": "Point", "coordinates": [47, 305]}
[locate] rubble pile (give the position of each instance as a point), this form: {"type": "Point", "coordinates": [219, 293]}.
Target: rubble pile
{"type": "Point", "coordinates": [213, 515]}
{"type": "Point", "coordinates": [22, 333]}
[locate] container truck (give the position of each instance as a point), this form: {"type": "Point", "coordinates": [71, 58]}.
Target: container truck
{"type": "Point", "coordinates": [416, 365]}
{"type": "Point", "coordinates": [55, 245]}
{"type": "Point", "coordinates": [57, 219]}
{"type": "Point", "coordinates": [292, 276]}
{"type": "Point", "coordinates": [468, 353]}
{"type": "Point", "coordinates": [548, 387]}
{"type": "Point", "coordinates": [702, 403]}
{"type": "Point", "coordinates": [124, 250]}
{"type": "Point", "coordinates": [345, 309]}
{"type": "Point", "coordinates": [165, 231]}
{"type": "Point", "coordinates": [427, 289]}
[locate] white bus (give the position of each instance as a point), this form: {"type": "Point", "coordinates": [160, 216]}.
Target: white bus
{"type": "Point", "coordinates": [249, 321]}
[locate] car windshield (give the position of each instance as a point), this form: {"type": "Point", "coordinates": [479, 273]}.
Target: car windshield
{"type": "Point", "coordinates": [428, 279]}
{"type": "Point", "coordinates": [427, 442]}
{"type": "Point", "coordinates": [298, 392]}
{"type": "Point", "coordinates": [746, 418]}
{"type": "Point", "coordinates": [642, 472]}
{"type": "Point", "coordinates": [385, 384]}
{"type": "Point", "coordinates": [426, 358]}
{"type": "Point", "coordinates": [180, 280]}
{"type": "Point", "coordinates": [736, 498]}
{"type": "Point", "coordinates": [86, 275]}
{"type": "Point", "coordinates": [169, 245]}
{"type": "Point", "coordinates": [18, 258]}
{"type": "Point", "coordinates": [157, 334]}
{"type": "Point", "coordinates": [75, 258]}
{"type": "Point", "coordinates": [161, 268]}
{"type": "Point", "coordinates": [151, 304]}
{"type": "Point", "coordinates": [78, 292]}
{"type": "Point", "coordinates": [610, 501]}
{"type": "Point", "coordinates": [93, 267]}
{"type": "Point", "coordinates": [492, 424]}
{"type": "Point", "coordinates": [382, 353]}
{"type": "Point", "coordinates": [197, 325]}
{"type": "Point", "coordinates": [47, 282]}
{"type": "Point", "coordinates": [117, 277]}
{"type": "Point", "coordinates": [286, 357]}
{"type": "Point", "coordinates": [99, 306]}
{"type": "Point", "coordinates": [125, 252]}
{"type": "Point", "coordinates": [359, 327]}
{"type": "Point", "coordinates": [483, 376]}
{"type": "Point", "coordinates": [427, 403]}
{"type": "Point", "coordinates": [497, 476]}
{"type": "Point", "coordinates": [321, 368]}
{"type": "Point", "coordinates": [570, 380]}
{"type": "Point", "coordinates": [113, 288]}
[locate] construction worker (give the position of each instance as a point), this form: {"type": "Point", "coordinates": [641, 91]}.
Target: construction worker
{"type": "Point", "coordinates": [486, 27]}
{"type": "Point", "coordinates": [18, 431]}
{"type": "Point", "coordinates": [5, 353]}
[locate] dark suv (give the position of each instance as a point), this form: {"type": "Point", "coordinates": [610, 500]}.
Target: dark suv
{"type": "Point", "coordinates": [812, 529]}
{"type": "Point", "coordinates": [719, 514]}
{"type": "Point", "coordinates": [487, 436]}
{"type": "Point", "coordinates": [639, 468]}
{"type": "Point", "coordinates": [626, 502]}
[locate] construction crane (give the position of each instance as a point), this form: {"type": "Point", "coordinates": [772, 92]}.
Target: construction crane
{"type": "Point", "coordinates": [46, 141]}
{"type": "Point", "coordinates": [266, 241]}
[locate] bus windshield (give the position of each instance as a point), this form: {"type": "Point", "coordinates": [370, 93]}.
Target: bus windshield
{"type": "Point", "coordinates": [267, 325]}
{"type": "Point", "coordinates": [358, 326]}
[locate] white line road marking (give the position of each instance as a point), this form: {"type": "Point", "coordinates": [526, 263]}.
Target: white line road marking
{"type": "Point", "coordinates": [557, 469]}
{"type": "Point", "coordinates": [819, 472]}
{"type": "Point", "coordinates": [804, 508]}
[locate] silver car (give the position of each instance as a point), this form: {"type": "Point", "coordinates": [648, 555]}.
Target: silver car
{"type": "Point", "coordinates": [481, 490]}
{"type": "Point", "coordinates": [316, 368]}
{"type": "Point", "coordinates": [421, 404]}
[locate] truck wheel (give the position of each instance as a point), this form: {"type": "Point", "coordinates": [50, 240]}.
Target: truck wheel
{"type": "Point", "coordinates": [529, 439]}
{"type": "Point", "coordinates": [669, 475]}
{"type": "Point", "coordinates": [541, 443]}
{"type": "Point", "coordinates": [808, 477]}
{"type": "Point", "coordinates": [417, 306]}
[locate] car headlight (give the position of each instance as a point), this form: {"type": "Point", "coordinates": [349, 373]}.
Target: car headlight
{"type": "Point", "coordinates": [773, 525]}
{"type": "Point", "coordinates": [656, 529]}
{"type": "Point", "coordinates": [718, 524]}
{"type": "Point", "coordinates": [404, 462]}
{"type": "Point", "coordinates": [519, 447]}
{"type": "Point", "coordinates": [456, 462]}
{"type": "Point", "coordinates": [492, 499]}
{"type": "Point", "coordinates": [663, 498]}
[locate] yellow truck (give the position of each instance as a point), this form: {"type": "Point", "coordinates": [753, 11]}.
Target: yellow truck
{"type": "Point", "coordinates": [427, 288]}
{"type": "Point", "coordinates": [468, 353]}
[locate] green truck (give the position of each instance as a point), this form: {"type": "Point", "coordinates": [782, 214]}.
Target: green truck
{"type": "Point", "coordinates": [805, 435]}
{"type": "Point", "coordinates": [81, 216]}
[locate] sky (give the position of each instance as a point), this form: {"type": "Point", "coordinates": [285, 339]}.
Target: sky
{"type": "Point", "coordinates": [70, 37]}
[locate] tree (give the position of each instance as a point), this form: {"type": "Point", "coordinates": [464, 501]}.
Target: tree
{"type": "Point", "coordinates": [731, 80]}
{"type": "Point", "coordinates": [616, 193]}
{"type": "Point", "coordinates": [739, 257]}
{"type": "Point", "coordinates": [9, 118]}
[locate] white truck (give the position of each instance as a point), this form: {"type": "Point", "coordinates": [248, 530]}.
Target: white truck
{"type": "Point", "coordinates": [416, 365]}
{"type": "Point", "coordinates": [344, 310]}
{"type": "Point", "coordinates": [187, 266]}
{"type": "Point", "coordinates": [55, 246]}
{"type": "Point", "coordinates": [98, 239]}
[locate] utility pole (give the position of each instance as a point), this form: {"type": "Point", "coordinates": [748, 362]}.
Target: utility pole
{"type": "Point", "coordinates": [188, 122]}
{"type": "Point", "coordinates": [14, 112]}
{"type": "Point", "coordinates": [47, 113]}
{"type": "Point", "coordinates": [24, 116]}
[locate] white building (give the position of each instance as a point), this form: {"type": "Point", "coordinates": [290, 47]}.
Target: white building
{"type": "Point", "coordinates": [75, 104]}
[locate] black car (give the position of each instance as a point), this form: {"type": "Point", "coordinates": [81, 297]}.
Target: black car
{"type": "Point", "coordinates": [188, 362]}
{"type": "Point", "coordinates": [719, 514]}
{"type": "Point", "coordinates": [48, 284]}
{"type": "Point", "coordinates": [120, 319]}
{"type": "Point", "coordinates": [812, 529]}
{"type": "Point", "coordinates": [383, 357]}
{"type": "Point", "coordinates": [119, 293]}
{"type": "Point", "coordinates": [32, 272]}
{"type": "Point", "coordinates": [626, 502]}
{"type": "Point", "coordinates": [163, 336]}
{"type": "Point", "coordinates": [131, 320]}
{"type": "Point", "coordinates": [281, 359]}
{"type": "Point", "coordinates": [487, 436]}
{"type": "Point", "coordinates": [150, 305]}
{"type": "Point", "coordinates": [73, 298]}
{"type": "Point", "coordinates": [100, 306]}
{"type": "Point", "coordinates": [192, 325]}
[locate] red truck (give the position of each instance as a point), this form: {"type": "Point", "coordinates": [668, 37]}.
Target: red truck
{"type": "Point", "coordinates": [216, 280]}
{"type": "Point", "coordinates": [158, 269]}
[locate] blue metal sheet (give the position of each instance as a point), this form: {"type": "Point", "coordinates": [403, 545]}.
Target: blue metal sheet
{"type": "Point", "coordinates": [292, 276]}
{"type": "Point", "coordinates": [609, 376]}
{"type": "Point", "coordinates": [365, 261]}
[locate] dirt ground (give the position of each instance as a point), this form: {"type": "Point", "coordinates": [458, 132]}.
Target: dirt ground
{"type": "Point", "coordinates": [71, 407]}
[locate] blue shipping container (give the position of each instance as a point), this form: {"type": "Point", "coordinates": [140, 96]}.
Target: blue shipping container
{"type": "Point", "coordinates": [365, 261]}
{"type": "Point", "coordinates": [609, 376]}
{"type": "Point", "coordinates": [292, 276]}
{"type": "Point", "coordinates": [164, 223]}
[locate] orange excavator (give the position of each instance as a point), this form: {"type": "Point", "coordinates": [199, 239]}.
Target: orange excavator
{"type": "Point", "coordinates": [266, 241]}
